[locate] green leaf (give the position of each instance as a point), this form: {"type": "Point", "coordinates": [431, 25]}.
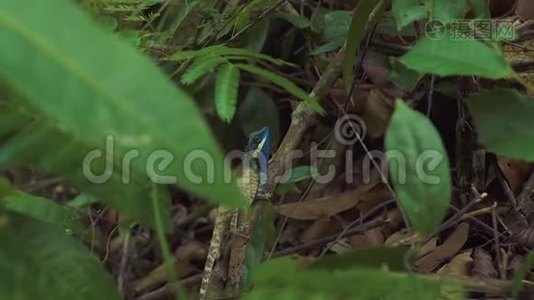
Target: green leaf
{"type": "Point", "coordinates": [81, 201]}
{"type": "Point", "coordinates": [373, 257]}
{"type": "Point", "coordinates": [448, 57]}
{"type": "Point", "coordinates": [284, 275]}
{"type": "Point", "coordinates": [221, 50]}
{"type": "Point", "coordinates": [296, 20]}
{"type": "Point", "coordinates": [33, 131]}
{"type": "Point", "coordinates": [328, 47]}
{"type": "Point", "coordinates": [408, 11]}
{"type": "Point", "coordinates": [299, 173]}
{"type": "Point", "coordinates": [45, 210]}
{"type": "Point", "coordinates": [357, 29]}
{"type": "Point", "coordinates": [336, 25]}
{"type": "Point", "coordinates": [404, 77]}
{"type": "Point", "coordinates": [201, 67]}
{"type": "Point", "coordinates": [503, 118]}
{"type": "Point", "coordinates": [447, 11]}
{"type": "Point", "coordinates": [38, 261]}
{"type": "Point", "coordinates": [226, 87]}
{"type": "Point", "coordinates": [419, 168]}
{"type": "Point", "coordinates": [86, 84]}
{"type": "Point", "coordinates": [286, 84]}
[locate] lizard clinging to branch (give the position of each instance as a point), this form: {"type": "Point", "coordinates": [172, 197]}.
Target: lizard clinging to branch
{"type": "Point", "coordinates": [253, 179]}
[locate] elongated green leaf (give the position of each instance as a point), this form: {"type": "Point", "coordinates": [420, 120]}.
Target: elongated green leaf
{"type": "Point", "coordinates": [226, 87]}
{"type": "Point", "coordinates": [419, 168]}
{"type": "Point", "coordinates": [200, 67]}
{"type": "Point", "coordinates": [357, 29]}
{"type": "Point", "coordinates": [39, 261]}
{"type": "Point", "coordinates": [31, 131]}
{"type": "Point", "coordinates": [90, 85]}
{"type": "Point", "coordinates": [44, 210]}
{"type": "Point", "coordinates": [504, 122]}
{"type": "Point", "coordinates": [372, 257]}
{"type": "Point", "coordinates": [296, 20]}
{"type": "Point", "coordinates": [447, 57]}
{"type": "Point", "coordinates": [286, 84]}
{"type": "Point", "coordinates": [221, 50]}
{"type": "Point", "coordinates": [328, 47]}
{"type": "Point", "coordinates": [284, 275]}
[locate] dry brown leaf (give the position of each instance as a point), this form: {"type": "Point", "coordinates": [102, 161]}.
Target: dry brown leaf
{"type": "Point", "coordinates": [376, 114]}
{"type": "Point", "coordinates": [515, 171]}
{"type": "Point", "coordinates": [483, 265]}
{"type": "Point", "coordinates": [372, 237]}
{"type": "Point", "coordinates": [291, 232]}
{"type": "Point", "coordinates": [323, 207]}
{"type": "Point", "coordinates": [448, 249]}
{"type": "Point", "coordinates": [403, 238]}
{"type": "Point", "coordinates": [320, 228]}
{"type": "Point", "coordinates": [428, 247]}
{"type": "Point", "coordinates": [191, 251]}
{"type": "Point", "coordinates": [377, 195]}
{"type": "Point", "coordinates": [459, 265]}
{"type": "Point", "coordinates": [525, 9]}
{"type": "Point", "coordinates": [342, 246]}
{"type": "Point", "coordinates": [159, 275]}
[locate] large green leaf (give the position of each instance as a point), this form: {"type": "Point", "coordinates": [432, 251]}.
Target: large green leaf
{"type": "Point", "coordinates": [39, 261]}
{"type": "Point", "coordinates": [88, 85]}
{"type": "Point", "coordinates": [358, 283]}
{"type": "Point", "coordinates": [226, 87]}
{"type": "Point", "coordinates": [25, 130]}
{"type": "Point", "coordinates": [419, 168]}
{"type": "Point", "coordinates": [447, 57]}
{"type": "Point", "coordinates": [504, 122]}
{"type": "Point", "coordinates": [44, 210]}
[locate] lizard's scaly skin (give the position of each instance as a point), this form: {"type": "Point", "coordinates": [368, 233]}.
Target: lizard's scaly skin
{"type": "Point", "coordinates": [248, 184]}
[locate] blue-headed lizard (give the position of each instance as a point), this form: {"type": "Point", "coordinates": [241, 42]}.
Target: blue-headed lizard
{"type": "Point", "coordinates": [253, 179]}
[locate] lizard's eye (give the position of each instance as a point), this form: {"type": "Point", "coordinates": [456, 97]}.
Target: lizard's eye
{"type": "Point", "coordinates": [257, 139]}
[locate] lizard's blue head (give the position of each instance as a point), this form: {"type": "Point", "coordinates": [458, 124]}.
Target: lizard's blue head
{"type": "Point", "coordinates": [259, 144]}
{"type": "Point", "coordinates": [257, 153]}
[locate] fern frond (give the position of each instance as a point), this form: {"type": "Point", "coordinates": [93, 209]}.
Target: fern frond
{"type": "Point", "coordinates": [201, 67]}
{"type": "Point", "coordinates": [221, 50]}
{"type": "Point", "coordinates": [226, 88]}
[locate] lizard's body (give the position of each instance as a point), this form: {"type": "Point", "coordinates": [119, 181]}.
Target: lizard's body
{"type": "Point", "coordinates": [252, 179]}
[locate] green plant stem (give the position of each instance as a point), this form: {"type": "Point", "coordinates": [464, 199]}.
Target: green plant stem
{"type": "Point", "coordinates": [167, 256]}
